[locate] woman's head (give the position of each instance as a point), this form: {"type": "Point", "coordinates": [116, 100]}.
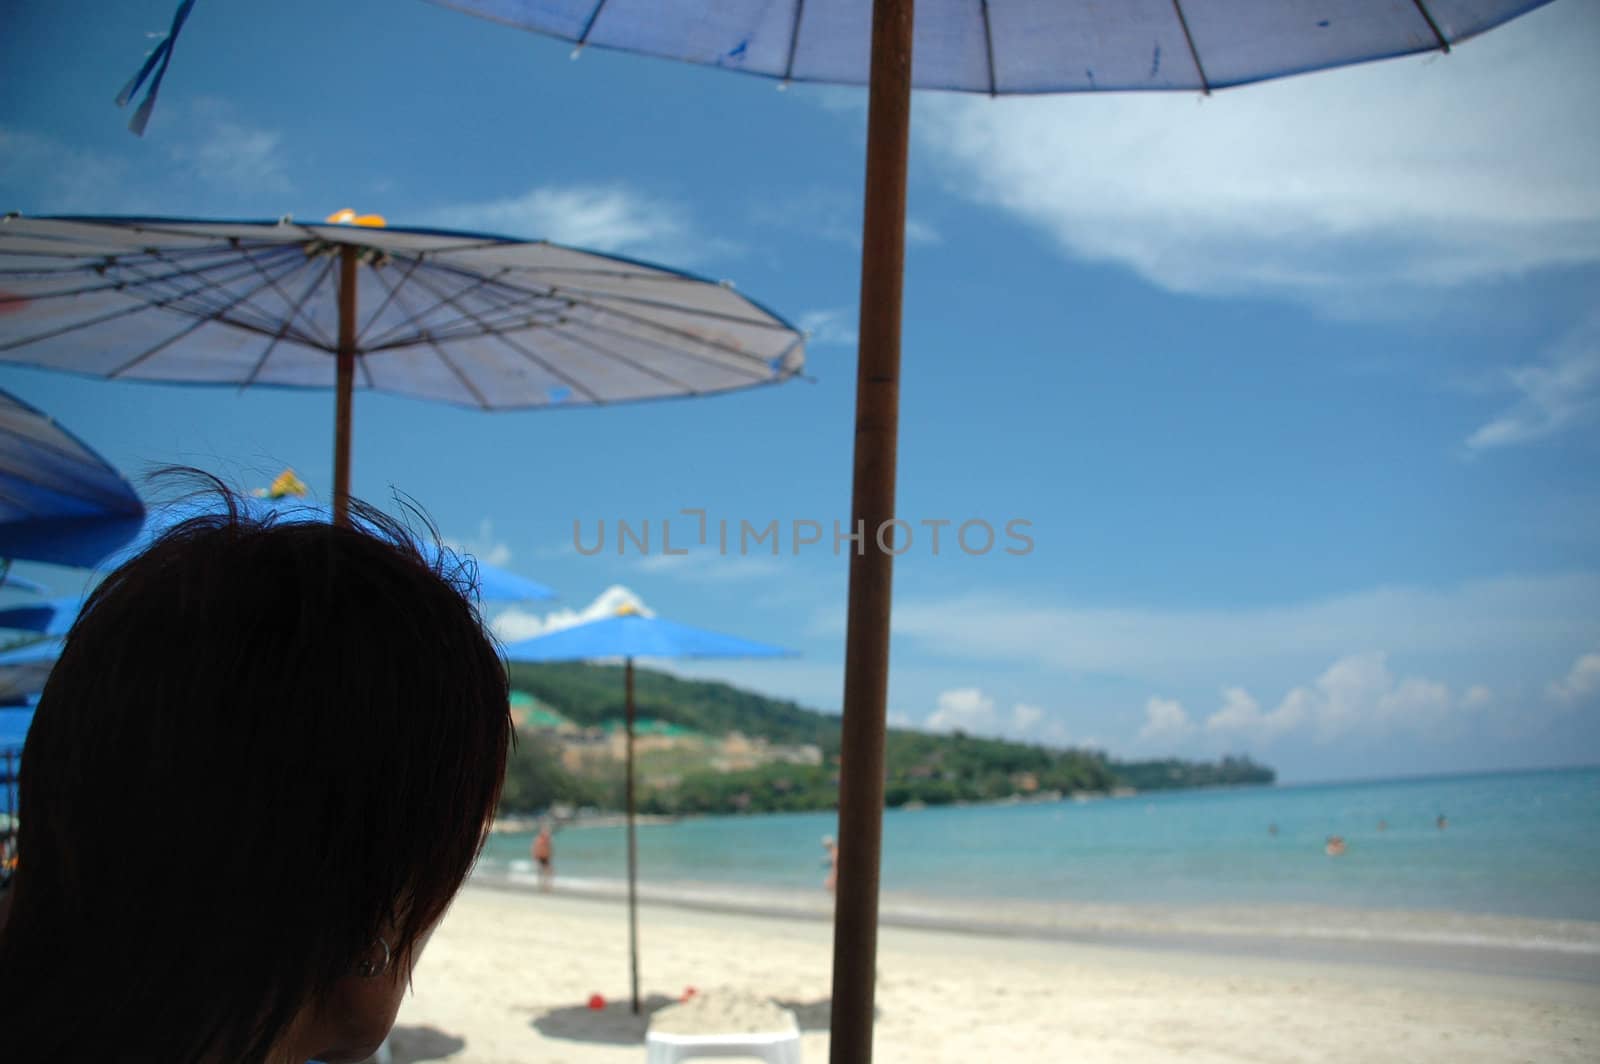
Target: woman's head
{"type": "Point", "coordinates": [259, 772]}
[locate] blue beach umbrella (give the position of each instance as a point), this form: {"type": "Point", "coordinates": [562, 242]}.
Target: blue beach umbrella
{"type": "Point", "coordinates": [494, 583]}
{"type": "Point", "coordinates": [629, 634]}
{"type": "Point", "coordinates": [979, 46]}
{"type": "Point", "coordinates": [60, 502]}
{"type": "Point", "coordinates": [14, 722]}
{"type": "Point", "coordinates": [49, 617]}
{"type": "Point", "coordinates": [24, 670]}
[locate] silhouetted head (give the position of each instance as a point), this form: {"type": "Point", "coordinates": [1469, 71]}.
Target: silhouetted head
{"type": "Point", "coordinates": [261, 769]}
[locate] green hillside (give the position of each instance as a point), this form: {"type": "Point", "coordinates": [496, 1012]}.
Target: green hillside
{"type": "Point", "coordinates": [921, 767]}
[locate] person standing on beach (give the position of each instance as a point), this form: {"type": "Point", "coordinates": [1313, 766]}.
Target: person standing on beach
{"type": "Point", "coordinates": [543, 851]}
{"type": "Point", "coordinates": [831, 881]}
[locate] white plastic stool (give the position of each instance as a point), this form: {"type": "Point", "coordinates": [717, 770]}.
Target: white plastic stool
{"type": "Point", "coordinates": [775, 1047]}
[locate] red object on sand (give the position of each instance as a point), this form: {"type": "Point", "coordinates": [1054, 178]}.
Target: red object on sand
{"type": "Point", "coordinates": [688, 992]}
{"type": "Point", "coordinates": [597, 1001]}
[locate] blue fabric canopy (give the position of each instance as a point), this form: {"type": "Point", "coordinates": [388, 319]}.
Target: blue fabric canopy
{"type": "Point", "coordinates": [996, 46]}
{"type": "Point", "coordinates": [632, 635]}
{"type": "Point", "coordinates": [494, 584]}
{"type": "Point", "coordinates": [23, 671]}
{"type": "Point", "coordinates": [47, 617]}
{"type": "Point", "coordinates": [59, 501]}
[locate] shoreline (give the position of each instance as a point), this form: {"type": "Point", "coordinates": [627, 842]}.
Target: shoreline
{"type": "Point", "coordinates": [1488, 944]}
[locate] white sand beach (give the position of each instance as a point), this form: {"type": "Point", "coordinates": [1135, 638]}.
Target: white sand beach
{"type": "Point", "coordinates": [509, 973]}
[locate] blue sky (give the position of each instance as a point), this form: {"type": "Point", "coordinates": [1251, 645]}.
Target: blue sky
{"type": "Point", "coordinates": [1296, 385]}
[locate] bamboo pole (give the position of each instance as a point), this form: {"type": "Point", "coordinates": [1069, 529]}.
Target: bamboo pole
{"type": "Point", "coordinates": [866, 669]}
{"type": "Point", "coordinates": [345, 385]}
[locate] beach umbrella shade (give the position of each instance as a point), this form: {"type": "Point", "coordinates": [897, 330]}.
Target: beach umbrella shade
{"type": "Point", "coordinates": [479, 321]}
{"type": "Point", "coordinates": [493, 583]}
{"type": "Point", "coordinates": [60, 502]}
{"type": "Point", "coordinates": [15, 719]}
{"type": "Point", "coordinates": [981, 46]}
{"type": "Point", "coordinates": [24, 670]}
{"type": "Point", "coordinates": [629, 634]}
{"type": "Point", "coordinates": [51, 617]}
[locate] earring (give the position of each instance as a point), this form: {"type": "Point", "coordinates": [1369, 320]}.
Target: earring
{"type": "Point", "coordinates": [367, 969]}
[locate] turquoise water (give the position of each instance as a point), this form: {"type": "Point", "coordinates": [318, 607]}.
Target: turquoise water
{"type": "Point", "coordinates": [1523, 844]}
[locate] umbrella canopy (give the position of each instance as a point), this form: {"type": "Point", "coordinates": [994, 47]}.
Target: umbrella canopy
{"type": "Point", "coordinates": [49, 617]}
{"type": "Point", "coordinates": [14, 723]}
{"type": "Point", "coordinates": [493, 583]}
{"type": "Point", "coordinates": [631, 634]}
{"type": "Point", "coordinates": [59, 501]}
{"type": "Point", "coordinates": [634, 635]}
{"type": "Point", "coordinates": [474, 320]}
{"type": "Point", "coordinates": [1020, 47]}
{"type": "Point", "coordinates": [24, 670]}
{"type": "Point", "coordinates": [1023, 46]}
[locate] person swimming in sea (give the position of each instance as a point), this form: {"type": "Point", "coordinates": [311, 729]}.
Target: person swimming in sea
{"type": "Point", "coordinates": [1334, 846]}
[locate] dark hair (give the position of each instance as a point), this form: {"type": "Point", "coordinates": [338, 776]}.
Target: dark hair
{"type": "Point", "coordinates": [265, 742]}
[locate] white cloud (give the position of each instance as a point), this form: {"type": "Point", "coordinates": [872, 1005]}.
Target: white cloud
{"type": "Point", "coordinates": [1351, 183]}
{"type": "Point", "coordinates": [970, 710]}
{"type": "Point", "coordinates": [600, 217]}
{"type": "Point", "coordinates": [484, 546]}
{"type": "Point", "coordinates": [1581, 681]}
{"type": "Point", "coordinates": [707, 566]}
{"type": "Point", "coordinates": [1496, 618]}
{"type": "Point", "coordinates": [1356, 695]}
{"type": "Point", "coordinates": [74, 179]}
{"type": "Point", "coordinates": [222, 150]}
{"type": "Point", "coordinates": [513, 624]}
{"type": "Point", "coordinates": [921, 232]}
{"type": "Point", "coordinates": [1560, 392]}
{"type": "Point", "coordinates": [830, 214]}
{"type": "Point", "coordinates": [1165, 720]}
{"type": "Point", "coordinates": [833, 326]}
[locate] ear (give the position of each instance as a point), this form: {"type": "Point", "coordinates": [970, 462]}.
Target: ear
{"type": "Point", "coordinates": [376, 960]}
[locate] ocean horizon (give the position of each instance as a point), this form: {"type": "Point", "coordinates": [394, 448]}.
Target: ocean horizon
{"type": "Point", "coordinates": [1521, 844]}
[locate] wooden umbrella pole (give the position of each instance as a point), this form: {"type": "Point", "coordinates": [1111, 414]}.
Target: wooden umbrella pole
{"type": "Point", "coordinates": [346, 385]}
{"type": "Point", "coordinates": [633, 855]}
{"type": "Point", "coordinates": [866, 662]}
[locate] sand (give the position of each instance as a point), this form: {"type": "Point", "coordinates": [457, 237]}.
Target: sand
{"type": "Point", "coordinates": [508, 975]}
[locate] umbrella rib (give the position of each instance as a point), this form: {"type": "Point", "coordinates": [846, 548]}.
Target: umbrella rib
{"type": "Point", "coordinates": [295, 306]}
{"type": "Point", "coordinates": [500, 335]}
{"type": "Point", "coordinates": [1422, 9]}
{"type": "Point", "coordinates": [641, 367]}
{"type": "Point", "coordinates": [155, 304]}
{"type": "Point", "coordinates": [390, 291]}
{"type": "Point", "coordinates": [270, 281]}
{"type": "Point", "coordinates": [460, 374]}
{"type": "Point", "coordinates": [412, 317]}
{"type": "Point", "coordinates": [583, 38]}
{"type": "Point", "coordinates": [294, 312]}
{"type": "Point", "coordinates": [1205, 85]}
{"type": "Point", "coordinates": [169, 341]}
{"type": "Point", "coordinates": [585, 295]}
{"type": "Point", "coordinates": [794, 39]}
{"type": "Point", "coordinates": [487, 329]}
{"type": "Point", "coordinates": [764, 372]}
{"type": "Point", "coordinates": [467, 324]}
{"type": "Point", "coordinates": [988, 45]}
{"type": "Point", "coordinates": [674, 331]}
{"type": "Point", "coordinates": [128, 263]}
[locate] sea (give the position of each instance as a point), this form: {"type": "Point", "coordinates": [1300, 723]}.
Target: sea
{"type": "Point", "coordinates": [1513, 845]}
